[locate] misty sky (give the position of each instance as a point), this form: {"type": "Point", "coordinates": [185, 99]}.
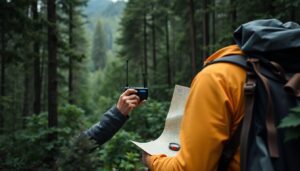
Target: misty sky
{"type": "Point", "coordinates": [119, 0]}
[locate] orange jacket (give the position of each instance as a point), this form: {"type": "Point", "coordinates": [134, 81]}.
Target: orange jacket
{"type": "Point", "coordinates": [214, 108]}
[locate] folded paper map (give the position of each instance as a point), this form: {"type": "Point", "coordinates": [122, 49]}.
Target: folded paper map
{"type": "Point", "coordinates": [170, 133]}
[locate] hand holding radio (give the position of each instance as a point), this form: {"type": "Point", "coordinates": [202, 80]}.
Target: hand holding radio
{"type": "Point", "coordinates": [141, 92]}
{"type": "Point", "coordinates": [128, 101]}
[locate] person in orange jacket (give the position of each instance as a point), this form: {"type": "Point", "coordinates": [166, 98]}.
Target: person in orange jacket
{"type": "Point", "coordinates": [213, 112]}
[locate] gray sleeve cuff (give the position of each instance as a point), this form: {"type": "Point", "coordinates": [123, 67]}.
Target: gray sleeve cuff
{"type": "Point", "coordinates": [110, 123]}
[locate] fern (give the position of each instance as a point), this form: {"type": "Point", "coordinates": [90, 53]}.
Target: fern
{"type": "Point", "coordinates": [292, 124]}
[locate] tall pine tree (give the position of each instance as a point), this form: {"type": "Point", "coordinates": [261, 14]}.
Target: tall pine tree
{"type": "Point", "coordinates": [99, 47]}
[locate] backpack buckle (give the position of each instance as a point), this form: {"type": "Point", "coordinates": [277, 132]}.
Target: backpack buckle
{"type": "Point", "coordinates": [249, 87]}
{"type": "Point", "coordinates": [250, 84]}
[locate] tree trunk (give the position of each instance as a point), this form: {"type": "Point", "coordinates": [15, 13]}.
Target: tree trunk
{"type": "Point", "coordinates": [44, 80]}
{"type": "Point", "coordinates": [205, 30]}
{"type": "Point", "coordinates": [2, 74]}
{"type": "Point", "coordinates": [2, 89]}
{"type": "Point", "coordinates": [26, 93]}
{"type": "Point", "coordinates": [26, 100]}
{"type": "Point", "coordinates": [52, 68]}
{"type": "Point", "coordinates": [154, 47]}
{"type": "Point", "coordinates": [192, 35]}
{"type": "Point", "coordinates": [145, 49]}
{"type": "Point", "coordinates": [233, 16]}
{"type": "Point", "coordinates": [71, 97]}
{"type": "Point", "coordinates": [174, 52]}
{"type": "Point", "coordinates": [168, 53]}
{"type": "Point", "coordinates": [37, 70]}
{"type": "Point", "coordinates": [213, 29]}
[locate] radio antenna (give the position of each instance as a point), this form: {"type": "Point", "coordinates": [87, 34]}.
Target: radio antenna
{"type": "Point", "coordinates": [145, 80]}
{"type": "Point", "coordinates": [127, 73]}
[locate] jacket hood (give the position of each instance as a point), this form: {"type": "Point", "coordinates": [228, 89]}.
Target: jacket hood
{"type": "Point", "coordinates": [226, 51]}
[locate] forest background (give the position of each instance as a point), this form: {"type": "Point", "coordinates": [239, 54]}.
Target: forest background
{"type": "Point", "coordinates": [62, 65]}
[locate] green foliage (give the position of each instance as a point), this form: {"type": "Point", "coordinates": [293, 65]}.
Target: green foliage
{"type": "Point", "coordinates": [112, 79]}
{"type": "Point", "coordinates": [148, 119]}
{"type": "Point", "coordinates": [29, 148]}
{"type": "Point", "coordinates": [26, 149]}
{"type": "Point", "coordinates": [292, 124]}
{"type": "Point", "coordinates": [106, 86]}
{"type": "Point", "coordinates": [120, 153]}
{"type": "Point", "coordinates": [5, 102]}
{"type": "Point", "coordinates": [71, 117]}
{"type": "Point", "coordinates": [79, 155]}
{"type": "Point", "coordinates": [99, 47]}
{"type": "Point", "coordinates": [292, 120]}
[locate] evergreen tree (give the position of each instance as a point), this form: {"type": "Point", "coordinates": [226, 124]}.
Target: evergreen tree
{"type": "Point", "coordinates": [99, 47]}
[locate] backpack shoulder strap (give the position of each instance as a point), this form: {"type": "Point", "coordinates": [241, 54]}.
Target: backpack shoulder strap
{"type": "Point", "coordinates": [238, 60]}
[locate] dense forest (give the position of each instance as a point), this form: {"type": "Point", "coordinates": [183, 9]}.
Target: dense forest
{"type": "Point", "coordinates": [62, 65]}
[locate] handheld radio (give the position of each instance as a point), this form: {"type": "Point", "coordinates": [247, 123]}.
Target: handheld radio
{"type": "Point", "coordinates": [142, 92]}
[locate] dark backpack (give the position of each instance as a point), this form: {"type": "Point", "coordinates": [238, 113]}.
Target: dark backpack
{"type": "Point", "coordinates": [272, 88]}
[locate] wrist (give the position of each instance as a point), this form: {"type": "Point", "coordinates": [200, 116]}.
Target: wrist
{"type": "Point", "coordinates": [124, 113]}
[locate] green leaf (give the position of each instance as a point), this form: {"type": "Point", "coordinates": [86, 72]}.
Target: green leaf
{"type": "Point", "coordinates": [292, 124]}
{"type": "Point", "coordinates": [296, 110]}
{"type": "Point", "coordinates": [291, 120]}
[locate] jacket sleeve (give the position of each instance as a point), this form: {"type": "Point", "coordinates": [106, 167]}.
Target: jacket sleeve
{"type": "Point", "coordinates": [212, 105]}
{"type": "Point", "coordinates": [109, 124]}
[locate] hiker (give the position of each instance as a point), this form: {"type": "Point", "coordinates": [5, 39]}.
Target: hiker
{"type": "Point", "coordinates": [214, 109]}
{"type": "Point", "coordinates": [216, 105]}
{"type": "Point", "coordinates": [114, 118]}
